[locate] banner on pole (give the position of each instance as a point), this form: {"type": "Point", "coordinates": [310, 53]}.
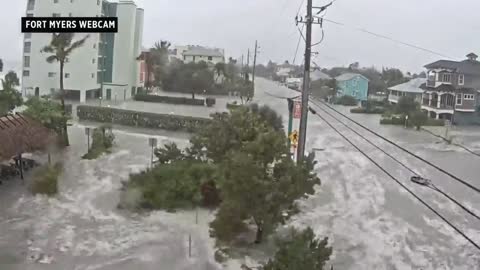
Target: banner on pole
{"type": "Point", "coordinates": [297, 110]}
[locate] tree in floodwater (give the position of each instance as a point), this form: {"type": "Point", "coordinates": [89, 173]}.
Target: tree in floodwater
{"type": "Point", "coordinates": [259, 182]}
{"type": "Point", "coordinates": [302, 251]}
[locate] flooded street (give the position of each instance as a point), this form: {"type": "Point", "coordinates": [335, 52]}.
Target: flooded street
{"type": "Point", "coordinates": [371, 222]}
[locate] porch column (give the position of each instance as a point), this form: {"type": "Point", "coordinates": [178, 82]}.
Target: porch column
{"type": "Point", "coordinates": [437, 116]}
{"type": "Point", "coordinates": [430, 99]}
{"type": "Point", "coordinates": [439, 99]}
{"type": "Point", "coordinates": [83, 96]}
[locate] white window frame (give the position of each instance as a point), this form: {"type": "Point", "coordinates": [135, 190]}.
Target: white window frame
{"type": "Point", "coordinates": [67, 75]}
{"type": "Point", "coordinates": [56, 15]}
{"type": "Point", "coordinates": [469, 97]}
{"type": "Point", "coordinates": [457, 98]}
{"type": "Point", "coordinates": [461, 79]}
{"type": "Point", "coordinates": [449, 76]}
{"type": "Point", "coordinates": [26, 73]}
{"type": "Point", "coordinates": [26, 61]}
{"type": "Point", "coordinates": [52, 74]}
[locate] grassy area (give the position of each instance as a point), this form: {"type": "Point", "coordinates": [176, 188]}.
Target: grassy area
{"type": "Point", "coordinates": [45, 179]}
{"type": "Point", "coordinates": [102, 142]}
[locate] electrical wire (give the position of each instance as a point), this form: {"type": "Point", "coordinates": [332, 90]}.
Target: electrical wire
{"type": "Point", "coordinates": [465, 183]}
{"type": "Point", "coordinates": [456, 144]}
{"type": "Point", "coordinates": [298, 46]}
{"type": "Point", "coordinates": [398, 181]}
{"type": "Point", "coordinates": [391, 39]}
{"type": "Point", "coordinates": [398, 161]}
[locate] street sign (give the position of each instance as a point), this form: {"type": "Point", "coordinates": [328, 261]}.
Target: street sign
{"type": "Point", "coordinates": [297, 110]}
{"type": "Point", "coordinates": [152, 142]}
{"type": "Point", "coordinates": [294, 138]}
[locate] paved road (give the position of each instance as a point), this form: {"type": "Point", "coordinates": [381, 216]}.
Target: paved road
{"type": "Point", "coordinates": [371, 222]}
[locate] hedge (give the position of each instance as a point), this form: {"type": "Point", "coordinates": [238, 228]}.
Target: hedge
{"type": "Point", "coordinates": [401, 122]}
{"type": "Point", "coordinates": [346, 101]}
{"type": "Point", "coordinates": [368, 111]}
{"type": "Point", "coordinates": [141, 119]}
{"type": "Point", "coordinates": [170, 100]}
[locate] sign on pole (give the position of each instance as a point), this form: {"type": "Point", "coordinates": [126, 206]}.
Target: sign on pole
{"type": "Point", "coordinates": [297, 110]}
{"type": "Point", "coordinates": [152, 142]}
{"type": "Point", "coordinates": [294, 138]}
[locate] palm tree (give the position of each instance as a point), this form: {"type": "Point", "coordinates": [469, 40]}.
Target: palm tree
{"type": "Point", "coordinates": [61, 46]}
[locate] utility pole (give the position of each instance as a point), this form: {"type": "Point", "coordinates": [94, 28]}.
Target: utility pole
{"type": "Point", "coordinates": [309, 20]}
{"type": "Point", "coordinates": [254, 64]}
{"type": "Point", "coordinates": [306, 85]}
{"type": "Point", "coordinates": [248, 65]}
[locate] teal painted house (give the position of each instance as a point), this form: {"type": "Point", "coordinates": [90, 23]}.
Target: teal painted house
{"type": "Point", "coordinates": [352, 84]}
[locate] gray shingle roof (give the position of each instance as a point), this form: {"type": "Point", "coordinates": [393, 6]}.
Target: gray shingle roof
{"type": "Point", "coordinates": [198, 50]}
{"type": "Point", "coordinates": [349, 76]}
{"type": "Point", "coordinates": [465, 67]}
{"type": "Point", "coordinates": [412, 86]}
{"type": "Point", "coordinates": [319, 75]}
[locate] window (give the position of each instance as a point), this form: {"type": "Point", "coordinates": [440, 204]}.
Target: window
{"type": "Point", "coordinates": [67, 75]}
{"type": "Point", "coordinates": [55, 1]}
{"type": "Point", "coordinates": [56, 15]}
{"type": "Point", "coordinates": [31, 4]}
{"type": "Point", "coordinates": [27, 47]}
{"type": "Point", "coordinates": [29, 15]}
{"type": "Point", "coordinates": [461, 79]}
{"type": "Point", "coordinates": [459, 99]}
{"type": "Point", "coordinates": [51, 74]}
{"type": "Point", "coordinates": [26, 61]}
{"type": "Point", "coordinates": [94, 45]}
{"type": "Point", "coordinates": [70, 14]}
{"type": "Point", "coordinates": [52, 91]}
{"type": "Point", "coordinates": [26, 73]}
{"type": "Point", "coordinates": [210, 58]}
{"type": "Point", "coordinates": [93, 75]}
{"type": "Point", "coordinates": [28, 35]}
{"type": "Point", "coordinates": [446, 77]}
{"type": "Point", "coordinates": [71, 1]}
{"type": "Point", "coordinates": [93, 61]}
{"type": "Point", "coordinates": [469, 97]}
{"type": "Point", "coordinates": [98, 2]}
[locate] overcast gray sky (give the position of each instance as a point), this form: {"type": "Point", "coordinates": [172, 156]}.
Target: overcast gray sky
{"type": "Point", "coordinates": [448, 27]}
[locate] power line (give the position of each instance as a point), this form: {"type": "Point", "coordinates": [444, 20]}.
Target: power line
{"type": "Point", "coordinates": [399, 162]}
{"type": "Point", "coordinates": [407, 151]}
{"type": "Point", "coordinates": [456, 144]}
{"type": "Point", "coordinates": [398, 181]}
{"type": "Point", "coordinates": [298, 46]}
{"type": "Point", "coordinates": [391, 39]}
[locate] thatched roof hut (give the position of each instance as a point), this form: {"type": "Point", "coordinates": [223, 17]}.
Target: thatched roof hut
{"type": "Point", "coordinates": [20, 134]}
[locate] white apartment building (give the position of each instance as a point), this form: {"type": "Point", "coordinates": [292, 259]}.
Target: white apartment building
{"type": "Point", "coordinates": [105, 66]}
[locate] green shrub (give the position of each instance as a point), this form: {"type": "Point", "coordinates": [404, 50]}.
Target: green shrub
{"type": "Point", "coordinates": [141, 119]}
{"type": "Point", "coordinates": [417, 120]}
{"type": "Point", "coordinates": [210, 102]}
{"type": "Point", "coordinates": [170, 100]}
{"type": "Point", "coordinates": [368, 111]}
{"type": "Point", "coordinates": [346, 101]}
{"type": "Point", "coordinates": [45, 180]}
{"type": "Point", "coordinates": [102, 142]}
{"type": "Point", "coordinates": [233, 105]}
{"type": "Point", "coordinates": [171, 186]}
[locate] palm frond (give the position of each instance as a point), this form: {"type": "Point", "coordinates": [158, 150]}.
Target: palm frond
{"type": "Point", "coordinates": [52, 58]}
{"type": "Point", "coordinates": [76, 44]}
{"type": "Point", "coordinates": [47, 49]}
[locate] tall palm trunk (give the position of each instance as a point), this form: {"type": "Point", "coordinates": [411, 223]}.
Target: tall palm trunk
{"type": "Point", "coordinates": [62, 99]}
